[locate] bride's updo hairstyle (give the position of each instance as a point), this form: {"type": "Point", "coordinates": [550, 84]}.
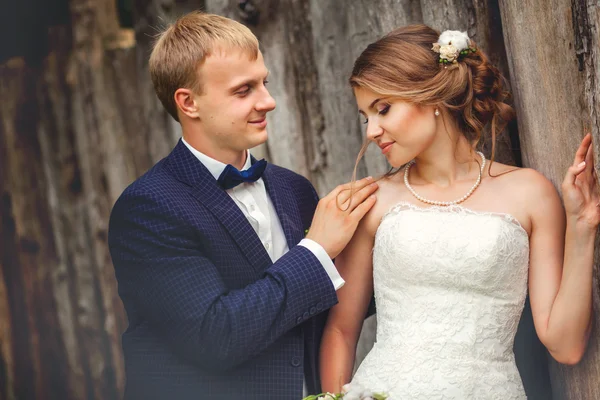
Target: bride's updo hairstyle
{"type": "Point", "coordinates": [407, 66]}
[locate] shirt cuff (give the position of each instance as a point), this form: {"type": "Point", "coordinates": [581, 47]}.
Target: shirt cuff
{"type": "Point", "coordinates": [326, 262]}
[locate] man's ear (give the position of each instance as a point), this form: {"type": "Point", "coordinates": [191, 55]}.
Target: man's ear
{"type": "Point", "coordinates": [184, 98]}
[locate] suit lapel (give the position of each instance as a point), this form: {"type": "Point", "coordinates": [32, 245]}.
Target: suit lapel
{"type": "Point", "coordinates": [188, 169]}
{"type": "Point", "coordinates": [285, 204]}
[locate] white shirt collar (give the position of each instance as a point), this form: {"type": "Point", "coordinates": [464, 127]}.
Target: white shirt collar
{"type": "Point", "coordinates": [215, 167]}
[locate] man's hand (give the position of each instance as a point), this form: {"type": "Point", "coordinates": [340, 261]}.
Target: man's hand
{"type": "Point", "coordinates": [339, 213]}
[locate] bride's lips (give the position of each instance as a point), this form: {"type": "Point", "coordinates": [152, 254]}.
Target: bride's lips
{"type": "Point", "coordinates": [386, 147]}
{"type": "Point", "coordinates": [259, 123]}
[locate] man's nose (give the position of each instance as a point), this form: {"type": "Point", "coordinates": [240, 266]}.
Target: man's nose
{"type": "Point", "coordinates": [266, 103]}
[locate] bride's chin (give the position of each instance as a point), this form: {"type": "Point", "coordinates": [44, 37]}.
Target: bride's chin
{"type": "Point", "coordinates": [397, 162]}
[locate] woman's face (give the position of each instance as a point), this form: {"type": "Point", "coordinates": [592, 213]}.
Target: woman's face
{"type": "Point", "coordinates": [401, 130]}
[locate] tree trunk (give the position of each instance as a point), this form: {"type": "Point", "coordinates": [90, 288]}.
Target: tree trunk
{"type": "Point", "coordinates": [555, 69]}
{"type": "Point", "coordinates": [73, 135]}
{"type": "Point", "coordinates": [32, 337]}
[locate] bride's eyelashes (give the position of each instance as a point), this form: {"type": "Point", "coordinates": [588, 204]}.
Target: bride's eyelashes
{"type": "Point", "coordinates": [382, 111]}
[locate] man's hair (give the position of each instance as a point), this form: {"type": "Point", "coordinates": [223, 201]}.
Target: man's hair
{"type": "Point", "coordinates": [183, 46]}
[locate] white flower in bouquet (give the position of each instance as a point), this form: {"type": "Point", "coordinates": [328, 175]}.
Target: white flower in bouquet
{"type": "Point", "coordinates": [350, 392]}
{"type": "Point", "coordinates": [346, 388]}
{"type": "Point", "coordinates": [357, 392]}
{"type": "Point", "coordinates": [327, 396]}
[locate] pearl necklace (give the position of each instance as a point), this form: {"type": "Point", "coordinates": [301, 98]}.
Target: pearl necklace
{"type": "Point", "coordinates": [443, 203]}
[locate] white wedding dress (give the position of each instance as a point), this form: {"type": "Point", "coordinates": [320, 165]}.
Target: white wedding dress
{"type": "Point", "coordinates": [450, 286]}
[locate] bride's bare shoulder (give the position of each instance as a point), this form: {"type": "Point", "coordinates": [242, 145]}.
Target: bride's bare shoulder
{"type": "Point", "coordinates": [391, 191]}
{"type": "Point", "coordinates": [519, 178]}
{"type": "Point", "coordinates": [526, 190]}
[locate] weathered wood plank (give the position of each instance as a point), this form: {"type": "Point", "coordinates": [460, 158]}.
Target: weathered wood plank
{"type": "Point", "coordinates": [554, 73]}
{"type": "Point", "coordinates": [28, 252]}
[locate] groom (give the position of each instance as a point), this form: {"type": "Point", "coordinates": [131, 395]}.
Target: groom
{"type": "Point", "coordinates": [225, 297]}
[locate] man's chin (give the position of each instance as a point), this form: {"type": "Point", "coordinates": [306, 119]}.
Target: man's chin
{"type": "Point", "coordinates": [259, 138]}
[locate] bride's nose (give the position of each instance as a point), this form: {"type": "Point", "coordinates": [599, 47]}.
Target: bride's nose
{"type": "Point", "coordinates": [373, 131]}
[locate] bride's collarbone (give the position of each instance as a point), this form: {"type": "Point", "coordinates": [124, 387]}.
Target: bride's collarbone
{"type": "Point", "coordinates": [496, 195]}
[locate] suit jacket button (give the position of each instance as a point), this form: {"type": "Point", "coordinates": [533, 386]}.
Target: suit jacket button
{"type": "Point", "coordinates": [296, 361]}
{"type": "Point", "coordinates": [305, 315]}
{"type": "Point", "coordinates": [313, 310]}
{"type": "Point", "coordinates": [299, 320]}
{"type": "Point", "coordinates": [319, 306]}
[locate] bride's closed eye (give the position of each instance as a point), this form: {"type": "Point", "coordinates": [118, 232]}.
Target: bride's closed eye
{"type": "Point", "coordinates": [382, 111]}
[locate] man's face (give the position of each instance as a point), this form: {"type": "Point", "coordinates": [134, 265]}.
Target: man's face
{"type": "Point", "coordinates": [234, 102]}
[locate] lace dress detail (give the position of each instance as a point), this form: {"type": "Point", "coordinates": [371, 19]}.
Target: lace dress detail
{"type": "Point", "coordinates": [450, 286]}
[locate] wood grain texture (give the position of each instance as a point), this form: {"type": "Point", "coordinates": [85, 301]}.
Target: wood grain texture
{"type": "Point", "coordinates": [73, 136]}
{"type": "Point", "coordinates": [554, 69]}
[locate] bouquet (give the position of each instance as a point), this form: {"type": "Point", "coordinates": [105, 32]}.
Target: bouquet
{"type": "Point", "coordinates": [353, 392]}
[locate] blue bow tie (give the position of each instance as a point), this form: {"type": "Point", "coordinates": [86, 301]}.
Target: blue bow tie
{"type": "Point", "coordinates": [231, 176]}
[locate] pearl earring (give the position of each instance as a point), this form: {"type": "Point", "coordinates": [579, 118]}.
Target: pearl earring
{"type": "Point", "coordinates": [437, 112]}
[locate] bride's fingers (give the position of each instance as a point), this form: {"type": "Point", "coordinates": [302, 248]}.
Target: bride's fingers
{"type": "Point", "coordinates": [589, 161]}
{"type": "Point", "coordinates": [582, 150]}
{"type": "Point", "coordinates": [572, 174]}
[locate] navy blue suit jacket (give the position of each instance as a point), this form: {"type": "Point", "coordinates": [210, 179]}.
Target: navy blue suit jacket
{"type": "Point", "coordinates": [210, 315]}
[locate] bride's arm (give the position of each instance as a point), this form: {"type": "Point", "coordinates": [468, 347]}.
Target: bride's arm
{"type": "Point", "coordinates": [338, 346]}
{"type": "Point", "coordinates": [561, 259]}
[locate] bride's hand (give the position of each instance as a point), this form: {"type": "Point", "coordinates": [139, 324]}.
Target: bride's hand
{"type": "Point", "coordinates": [580, 188]}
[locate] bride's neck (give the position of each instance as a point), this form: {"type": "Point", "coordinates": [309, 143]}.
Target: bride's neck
{"type": "Point", "coordinates": [446, 161]}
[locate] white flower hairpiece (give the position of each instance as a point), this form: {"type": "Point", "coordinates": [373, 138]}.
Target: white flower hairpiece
{"type": "Point", "coordinates": [451, 45]}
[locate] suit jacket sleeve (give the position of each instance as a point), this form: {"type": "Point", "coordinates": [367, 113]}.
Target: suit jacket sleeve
{"type": "Point", "coordinates": [162, 271]}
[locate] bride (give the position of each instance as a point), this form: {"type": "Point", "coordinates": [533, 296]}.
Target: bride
{"type": "Point", "coordinates": [454, 239]}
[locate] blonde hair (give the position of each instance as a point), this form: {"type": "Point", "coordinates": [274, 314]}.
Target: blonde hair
{"type": "Point", "coordinates": [181, 48]}
{"type": "Point", "coordinates": [402, 65]}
